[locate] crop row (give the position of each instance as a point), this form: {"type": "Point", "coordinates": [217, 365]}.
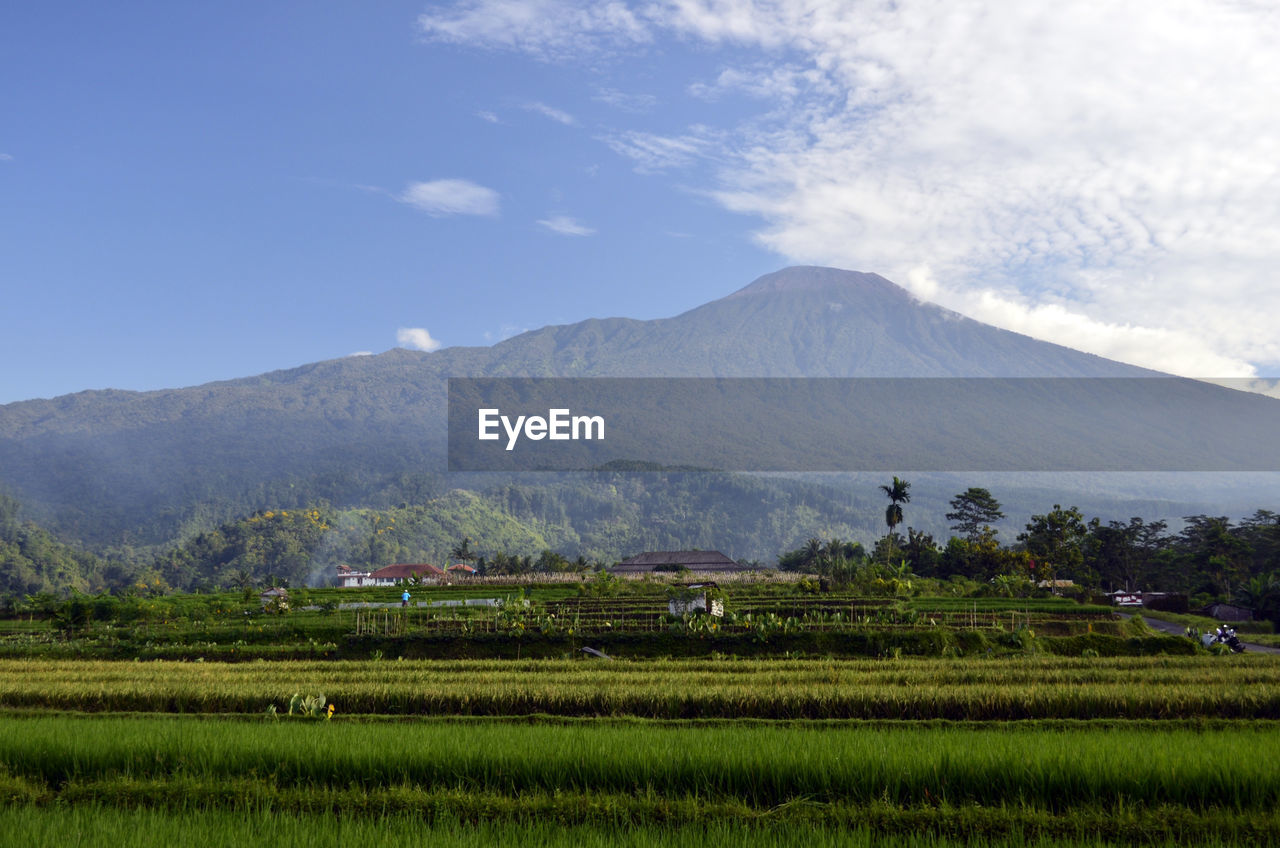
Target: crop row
{"type": "Point", "coordinates": [970, 689]}
{"type": "Point", "coordinates": [466, 825]}
{"type": "Point", "coordinates": [759, 766]}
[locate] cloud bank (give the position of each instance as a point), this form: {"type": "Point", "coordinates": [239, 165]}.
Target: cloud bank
{"type": "Point", "coordinates": [1106, 176]}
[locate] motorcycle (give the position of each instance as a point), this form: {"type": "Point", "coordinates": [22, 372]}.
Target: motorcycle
{"type": "Point", "coordinates": [1223, 636]}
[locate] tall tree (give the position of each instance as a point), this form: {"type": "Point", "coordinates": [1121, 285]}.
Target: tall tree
{"type": "Point", "coordinates": [1210, 546]}
{"type": "Point", "coordinates": [921, 553]}
{"type": "Point", "coordinates": [898, 493]}
{"type": "Point", "coordinates": [1122, 554]}
{"type": "Point", "coordinates": [1056, 541]}
{"type": "Point", "coordinates": [972, 510]}
{"type": "Point", "coordinates": [462, 551]}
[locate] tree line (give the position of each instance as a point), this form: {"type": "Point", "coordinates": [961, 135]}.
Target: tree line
{"type": "Point", "coordinates": [1210, 557]}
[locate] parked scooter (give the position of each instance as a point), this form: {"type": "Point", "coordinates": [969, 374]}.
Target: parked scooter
{"type": "Point", "coordinates": [1222, 636]}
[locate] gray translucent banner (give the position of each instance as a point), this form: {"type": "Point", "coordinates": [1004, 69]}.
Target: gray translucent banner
{"type": "Point", "coordinates": [893, 424]}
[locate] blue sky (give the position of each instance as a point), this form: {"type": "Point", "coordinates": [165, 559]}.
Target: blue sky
{"type": "Point", "coordinates": [193, 193]}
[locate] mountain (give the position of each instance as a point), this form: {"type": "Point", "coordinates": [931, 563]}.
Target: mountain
{"type": "Point", "coordinates": [797, 322]}
{"type": "Point", "coordinates": [112, 467]}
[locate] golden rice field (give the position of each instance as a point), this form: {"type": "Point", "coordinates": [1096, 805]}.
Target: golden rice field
{"type": "Point", "coordinates": [1007, 688]}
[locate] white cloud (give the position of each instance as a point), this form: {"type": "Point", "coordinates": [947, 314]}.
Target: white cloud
{"type": "Point", "coordinates": [566, 226]}
{"type": "Point", "coordinates": [766, 82]}
{"type": "Point", "coordinates": [550, 112]}
{"type": "Point", "coordinates": [1268, 387]}
{"type": "Point", "coordinates": [1105, 175]}
{"type": "Point", "coordinates": [626, 101]}
{"type": "Point", "coordinates": [653, 153]}
{"type": "Point", "coordinates": [546, 29]}
{"type": "Point", "coordinates": [486, 115]}
{"type": "Point", "coordinates": [5, 157]}
{"type": "Point", "coordinates": [416, 338]}
{"type": "Point", "coordinates": [360, 353]}
{"type": "Point", "coordinates": [451, 197]}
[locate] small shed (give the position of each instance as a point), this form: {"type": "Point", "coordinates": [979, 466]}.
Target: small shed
{"type": "Point", "coordinates": [278, 597]}
{"type": "Point", "coordinates": [1228, 612]}
{"type": "Point", "coordinates": [694, 599]}
{"type": "Point", "coordinates": [461, 569]}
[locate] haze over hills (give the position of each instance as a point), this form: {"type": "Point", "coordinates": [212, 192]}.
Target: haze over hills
{"type": "Point", "coordinates": [109, 466]}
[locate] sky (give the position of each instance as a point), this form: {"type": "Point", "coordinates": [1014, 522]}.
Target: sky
{"type": "Point", "coordinates": [194, 192]}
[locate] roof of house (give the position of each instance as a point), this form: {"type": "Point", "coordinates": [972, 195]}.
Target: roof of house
{"type": "Point", "coordinates": [692, 560]}
{"type": "Point", "coordinates": [461, 566]}
{"type": "Point", "coordinates": [402, 571]}
{"type": "Point", "coordinates": [1228, 612]}
{"type": "Point", "coordinates": [344, 570]}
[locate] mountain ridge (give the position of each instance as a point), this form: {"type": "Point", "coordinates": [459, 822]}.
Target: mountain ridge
{"type": "Point", "coordinates": [852, 288]}
{"type": "Point", "coordinates": [99, 464]}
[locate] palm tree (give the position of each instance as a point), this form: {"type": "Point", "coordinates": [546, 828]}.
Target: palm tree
{"type": "Point", "coordinates": [463, 551]}
{"type": "Point", "coordinates": [812, 554]}
{"type": "Point", "coordinates": [898, 494]}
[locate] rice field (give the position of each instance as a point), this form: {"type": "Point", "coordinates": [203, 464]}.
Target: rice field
{"type": "Point", "coordinates": [960, 689]}
{"type": "Point", "coordinates": [1019, 749]}
{"type": "Point", "coordinates": [990, 781]}
{"type": "Point", "coordinates": [164, 828]}
{"type": "Point", "coordinates": [760, 766]}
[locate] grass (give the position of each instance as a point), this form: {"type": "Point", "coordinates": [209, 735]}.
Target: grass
{"type": "Point", "coordinates": [1243, 686]}
{"type": "Point", "coordinates": [761, 766]}
{"type": "Point", "coordinates": [162, 828]}
{"type": "Point", "coordinates": [782, 784]}
{"type": "Point", "coordinates": [407, 758]}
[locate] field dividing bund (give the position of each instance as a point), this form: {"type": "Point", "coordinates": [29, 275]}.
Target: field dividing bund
{"type": "Point", "coordinates": [1009, 688]}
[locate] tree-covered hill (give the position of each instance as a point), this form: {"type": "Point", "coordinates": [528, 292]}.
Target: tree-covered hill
{"type": "Point", "coordinates": [119, 470]}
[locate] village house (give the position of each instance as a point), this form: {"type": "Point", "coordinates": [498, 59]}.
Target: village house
{"type": "Point", "coordinates": [660, 561]}
{"type": "Point", "coordinates": [349, 578]}
{"type": "Point", "coordinates": [393, 574]}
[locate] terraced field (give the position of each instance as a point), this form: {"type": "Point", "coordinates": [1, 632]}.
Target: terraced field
{"type": "Point", "coordinates": [996, 742]}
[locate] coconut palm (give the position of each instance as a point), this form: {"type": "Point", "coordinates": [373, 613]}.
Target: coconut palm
{"type": "Point", "coordinates": [898, 493]}
{"type": "Point", "coordinates": [463, 552]}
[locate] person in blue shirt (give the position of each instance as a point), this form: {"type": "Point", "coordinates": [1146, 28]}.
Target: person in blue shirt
{"type": "Point", "coordinates": [404, 599]}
